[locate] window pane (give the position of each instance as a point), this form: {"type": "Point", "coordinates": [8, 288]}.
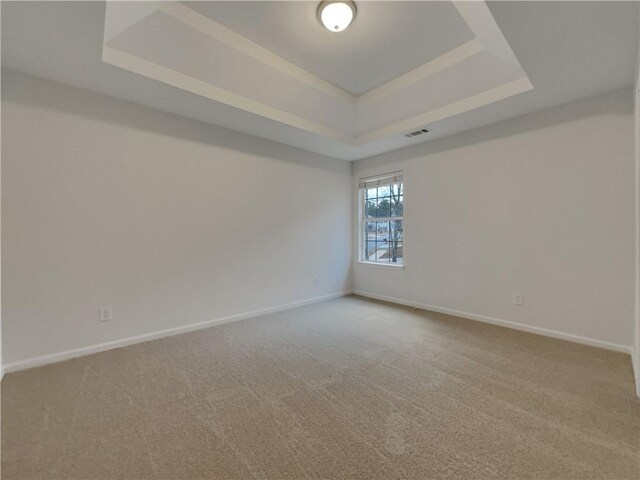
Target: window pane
{"type": "Point", "coordinates": [371, 193]}
{"type": "Point", "coordinates": [395, 241]}
{"type": "Point", "coordinates": [382, 230]}
{"type": "Point", "coordinates": [383, 253]}
{"type": "Point", "coordinates": [395, 252]}
{"type": "Point", "coordinates": [383, 208]}
{"type": "Point", "coordinates": [371, 208]}
{"type": "Point", "coordinates": [397, 204]}
{"type": "Point", "coordinates": [369, 236]}
{"type": "Point", "coordinates": [384, 191]}
{"type": "Point", "coordinates": [396, 189]}
{"type": "Point", "coordinates": [382, 242]}
{"type": "Point", "coordinates": [376, 242]}
{"type": "Point", "coordinates": [395, 228]}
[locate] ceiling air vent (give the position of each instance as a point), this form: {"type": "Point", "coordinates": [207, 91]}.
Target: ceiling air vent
{"type": "Point", "coordinates": [416, 133]}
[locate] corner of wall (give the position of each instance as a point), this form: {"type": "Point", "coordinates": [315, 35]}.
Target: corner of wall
{"type": "Point", "coordinates": [1, 362]}
{"type": "Point", "coordinates": [636, 353]}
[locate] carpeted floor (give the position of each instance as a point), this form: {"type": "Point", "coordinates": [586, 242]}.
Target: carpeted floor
{"type": "Point", "coordinates": [346, 389]}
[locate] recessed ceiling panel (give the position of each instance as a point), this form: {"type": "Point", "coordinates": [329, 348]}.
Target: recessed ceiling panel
{"type": "Point", "coordinates": [175, 44]}
{"type": "Point", "coordinates": [386, 40]}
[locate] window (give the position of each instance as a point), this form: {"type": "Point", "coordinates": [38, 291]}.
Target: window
{"type": "Point", "coordinates": [381, 219]}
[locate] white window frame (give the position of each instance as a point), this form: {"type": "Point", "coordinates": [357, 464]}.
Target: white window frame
{"type": "Point", "coordinates": [370, 182]}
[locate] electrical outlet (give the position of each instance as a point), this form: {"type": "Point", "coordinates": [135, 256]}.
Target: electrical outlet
{"type": "Point", "coordinates": [518, 299]}
{"type": "Point", "coordinates": [105, 314]}
{"type": "Point", "coordinates": [316, 281]}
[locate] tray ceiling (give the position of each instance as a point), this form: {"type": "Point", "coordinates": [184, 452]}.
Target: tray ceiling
{"type": "Point", "coordinates": [569, 50]}
{"type": "Point", "coordinates": [326, 84]}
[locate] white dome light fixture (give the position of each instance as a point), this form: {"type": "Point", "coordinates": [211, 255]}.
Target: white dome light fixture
{"type": "Point", "coordinates": [336, 16]}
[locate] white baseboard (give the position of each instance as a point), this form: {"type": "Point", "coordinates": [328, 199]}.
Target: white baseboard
{"type": "Point", "coordinates": [101, 347]}
{"type": "Point", "coordinates": [504, 323]}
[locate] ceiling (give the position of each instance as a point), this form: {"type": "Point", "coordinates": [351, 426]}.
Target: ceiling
{"type": "Point", "coordinates": [269, 68]}
{"type": "Point", "coordinates": [366, 55]}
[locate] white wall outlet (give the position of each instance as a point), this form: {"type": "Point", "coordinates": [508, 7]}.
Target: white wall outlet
{"type": "Point", "coordinates": [316, 281]}
{"type": "Point", "coordinates": [105, 314]}
{"type": "Point", "coordinates": [518, 299]}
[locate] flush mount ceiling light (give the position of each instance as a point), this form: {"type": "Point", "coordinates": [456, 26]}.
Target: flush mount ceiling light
{"type": "Point", "coordinates": [336, 16]}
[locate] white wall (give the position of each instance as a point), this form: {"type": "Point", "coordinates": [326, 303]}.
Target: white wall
{"type": "Point", "coordinates": [541, 205]}
{"type": "Point", "coordinates": [173, 222]}
{"type": "Point", "coordinates": [1, 361]}
{"type": "Point", "coordinates": [167, 220]}
{"type": "Point", "coordinates": [636, 353]}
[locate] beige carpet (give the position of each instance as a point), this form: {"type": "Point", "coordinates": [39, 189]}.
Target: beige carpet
{"type": "Point", "coordinates": [347, 389]}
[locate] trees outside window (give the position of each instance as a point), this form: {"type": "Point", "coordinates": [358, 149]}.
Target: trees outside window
{"type": "Point", "coordinates": [382, 220]}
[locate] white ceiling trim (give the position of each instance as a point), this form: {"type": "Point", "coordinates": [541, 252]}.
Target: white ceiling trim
{"type": "Point", "coordinates": [227, 36]}
{"type": "Point", "coordinates": [488, 39]}
{"type": "Point", "coordinates": [166, 75]}
{"type": "Point", "coordinates": [205, 89]}
{"type": "Point", "coordinates": [484, 26]}
{"type": "Point", "coordinates": [475, 101]}
{"type": "Point", "coordinates": [446, 60]}
{"type": "Point", "coordinates": [123, 15]}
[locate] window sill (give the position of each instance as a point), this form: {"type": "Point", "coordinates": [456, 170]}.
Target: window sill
{"type": "Point", "coordinates": [383, 265]}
